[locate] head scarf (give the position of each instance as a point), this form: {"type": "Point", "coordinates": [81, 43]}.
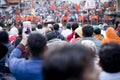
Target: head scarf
{"type": "Point", "coordinates": [79, 31]}
{"type": "Point", "coordinates": [111, 36]}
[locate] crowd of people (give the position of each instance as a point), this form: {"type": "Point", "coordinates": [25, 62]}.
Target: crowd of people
{"type": "Point", "coordinates": [59, 11]}
{"type": "Point", "coordinates": [54, 53]}
{"type": "Point", "coordinates": [69, 51]}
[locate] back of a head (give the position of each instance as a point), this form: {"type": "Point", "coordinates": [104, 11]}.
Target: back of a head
{"type": "Point", "coordinates": [56, 27]}
{"type": "Point", "coordinates": [4, 37]}
{"type": "Point", "coordinates": [68, 26]}
{"type": "Point", "coordinates": [74, 26]}
{"type": "Point", "coordinates": [33, 29]}
{"type": "Point", "coordinates": [51, 35]}
{"type": "Point", "coordinates": [97, 31]}
{"type": "Point", "coordinates": [39, 26]}
{"type": "Point", "coordinates": [110, 57]}
{"type": "Point", "coordinates": [89, 44]}
{"type": "Point", "coordinates": [36, 44]}
{"type": "Point", "coordinates": [87, 31]}
{"type": "Point", "coordinates": [67, 62]}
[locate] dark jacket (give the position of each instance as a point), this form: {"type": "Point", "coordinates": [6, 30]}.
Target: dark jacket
{"type": "Point", "coordinates": [59, 35]}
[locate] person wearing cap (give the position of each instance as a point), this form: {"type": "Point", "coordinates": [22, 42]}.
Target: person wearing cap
{"type": "Point", "coordinates": [77, 36]}
{"type": "Point", "coordinates": [74, 27]}
{"type": "Point", "coordinates": [87, 32]}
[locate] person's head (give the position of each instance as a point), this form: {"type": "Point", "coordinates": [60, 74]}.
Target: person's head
{"type": "Point", "coordinates": [97, 31]}
{"type": "Point", "coordinates": [70, 62]}
{"type": "Point", "coordinates": [56, 27]}
{"type": "Point", "coordinates": [36, 44]}
{"type": "Point", "coordinates": [68, 26]}
{"type": "Point", "coordinates": [33, 29]}
{"type": "Point", "coordinates": [87, 31]}
{"type": "Point", "coordinates": [20, 30]}
{"type": "Point", "coordinates": [110, 57]}
{"type": "Point", "coordinates": [51, 35]}
{"type": "Point", "coordinates": [50, 26]}
{"type": "Point", "coordinates": [39, 26]}
{"type": "Point", "coordinates": [74, 26]}
{"type": "Point", "coordinates": [4, 37]}
{"type": "Point", "coordinates": [89, 44]}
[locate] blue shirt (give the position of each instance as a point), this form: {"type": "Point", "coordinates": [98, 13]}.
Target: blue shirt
{"type": "Point", "coordinates": [25, 69]}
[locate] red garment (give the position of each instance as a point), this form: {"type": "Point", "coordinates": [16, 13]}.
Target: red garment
{"type": "Point", "coordinates": [12, 38]}
{"type": "Point", "coordinates": [69, 37]}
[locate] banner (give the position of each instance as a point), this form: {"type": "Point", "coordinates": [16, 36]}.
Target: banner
{"type": "Point", "coordinates": [90, 4]}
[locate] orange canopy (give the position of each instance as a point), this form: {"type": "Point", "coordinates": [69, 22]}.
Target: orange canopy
{"type": "Point", "coordinates": [77, 7]}
{"type": "Point", "coordinates": [65, 18]}
{"type": "Point", "coordinates": [64, 7]}
{"type": "Point", "coordinates": [93, 17]}
{"type": "Point", "coordinates": [18, 17]}
{"type": "Point", "coordinates": [81, 18]}
{"type": "Point", "coordinates": [105, 5]}
{"type": "Point", "coordinates": [17, 11]}
{"type": "Point", "coordinates": [53, 8]}
{"type": "Point", "coordinates": [30, 18]}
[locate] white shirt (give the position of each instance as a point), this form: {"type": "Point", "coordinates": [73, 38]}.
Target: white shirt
{"type": "Point", "coordinates": [66, 32]}
{"type": "Point", "coordinates": [41, 31]}
{"type": "Point", "coordinates": [103, 33]}
{"type": "Point", "coordinates": [109, 76]}
{"type": "Point", "coordinates": [13, 31]}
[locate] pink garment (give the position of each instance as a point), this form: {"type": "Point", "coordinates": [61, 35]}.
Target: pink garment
{"type": "Point", "coordinates": [69, 37]}
{"type": "Point", "coordinates": [12, 38]}
{"type": "Point", "coordinates": [74, 40]}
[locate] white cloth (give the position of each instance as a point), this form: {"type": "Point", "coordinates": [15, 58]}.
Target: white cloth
{"type": "Point", "coordinates": [13, 31]}
{"type": "Point", "coordinates": [66, 32]}
{"type": "Point", "coordinates": [109, 76]}
{"type": "Point", "coordinates": [103, 33]}
{"type": "Point", "coordinates": [41, 31]}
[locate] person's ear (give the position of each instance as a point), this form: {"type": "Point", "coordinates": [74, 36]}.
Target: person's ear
{"type": "Point", "coordinates": [82, 35]}
{"type": "Point", "coordinates": [46, 48]}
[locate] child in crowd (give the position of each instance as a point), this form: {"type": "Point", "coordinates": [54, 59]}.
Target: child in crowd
{"type": "Point", "coordinates": [97, 34]}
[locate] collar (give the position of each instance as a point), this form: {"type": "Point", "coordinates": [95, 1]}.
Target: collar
{"type": "Point", "coordinates": [109, 76]}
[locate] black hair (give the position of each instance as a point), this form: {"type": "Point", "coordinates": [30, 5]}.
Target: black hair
{"type": "Point", "coordinates": [33, 29]}
{"type": "Point", "coordinates": [36, 44]}
{"type": "Point", "coordinates": [110, 57]}
{"type": "Point", "coordinates": [56, 27]}
{"type": "Point", "coordinates": [68, 26]}
{"type": "Point", "coordinates": [76, 35]}
{"type": "Point", "coordinates": [51, 35]}
{"type": "Point", "coordinates": [39, 26]}
{"type": "Point", "coordinates": [4, 37]}
{"type": "Point", "coordinates": [67, 62]}
{"type": "Point", "coordinates": [74, 26]}
{"type": "Point", "coordinates": [118, 33]}
{"type": "Point", "coordinates": [97, 31]}
{"type": "Point", "coordinates": [87, 31]}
